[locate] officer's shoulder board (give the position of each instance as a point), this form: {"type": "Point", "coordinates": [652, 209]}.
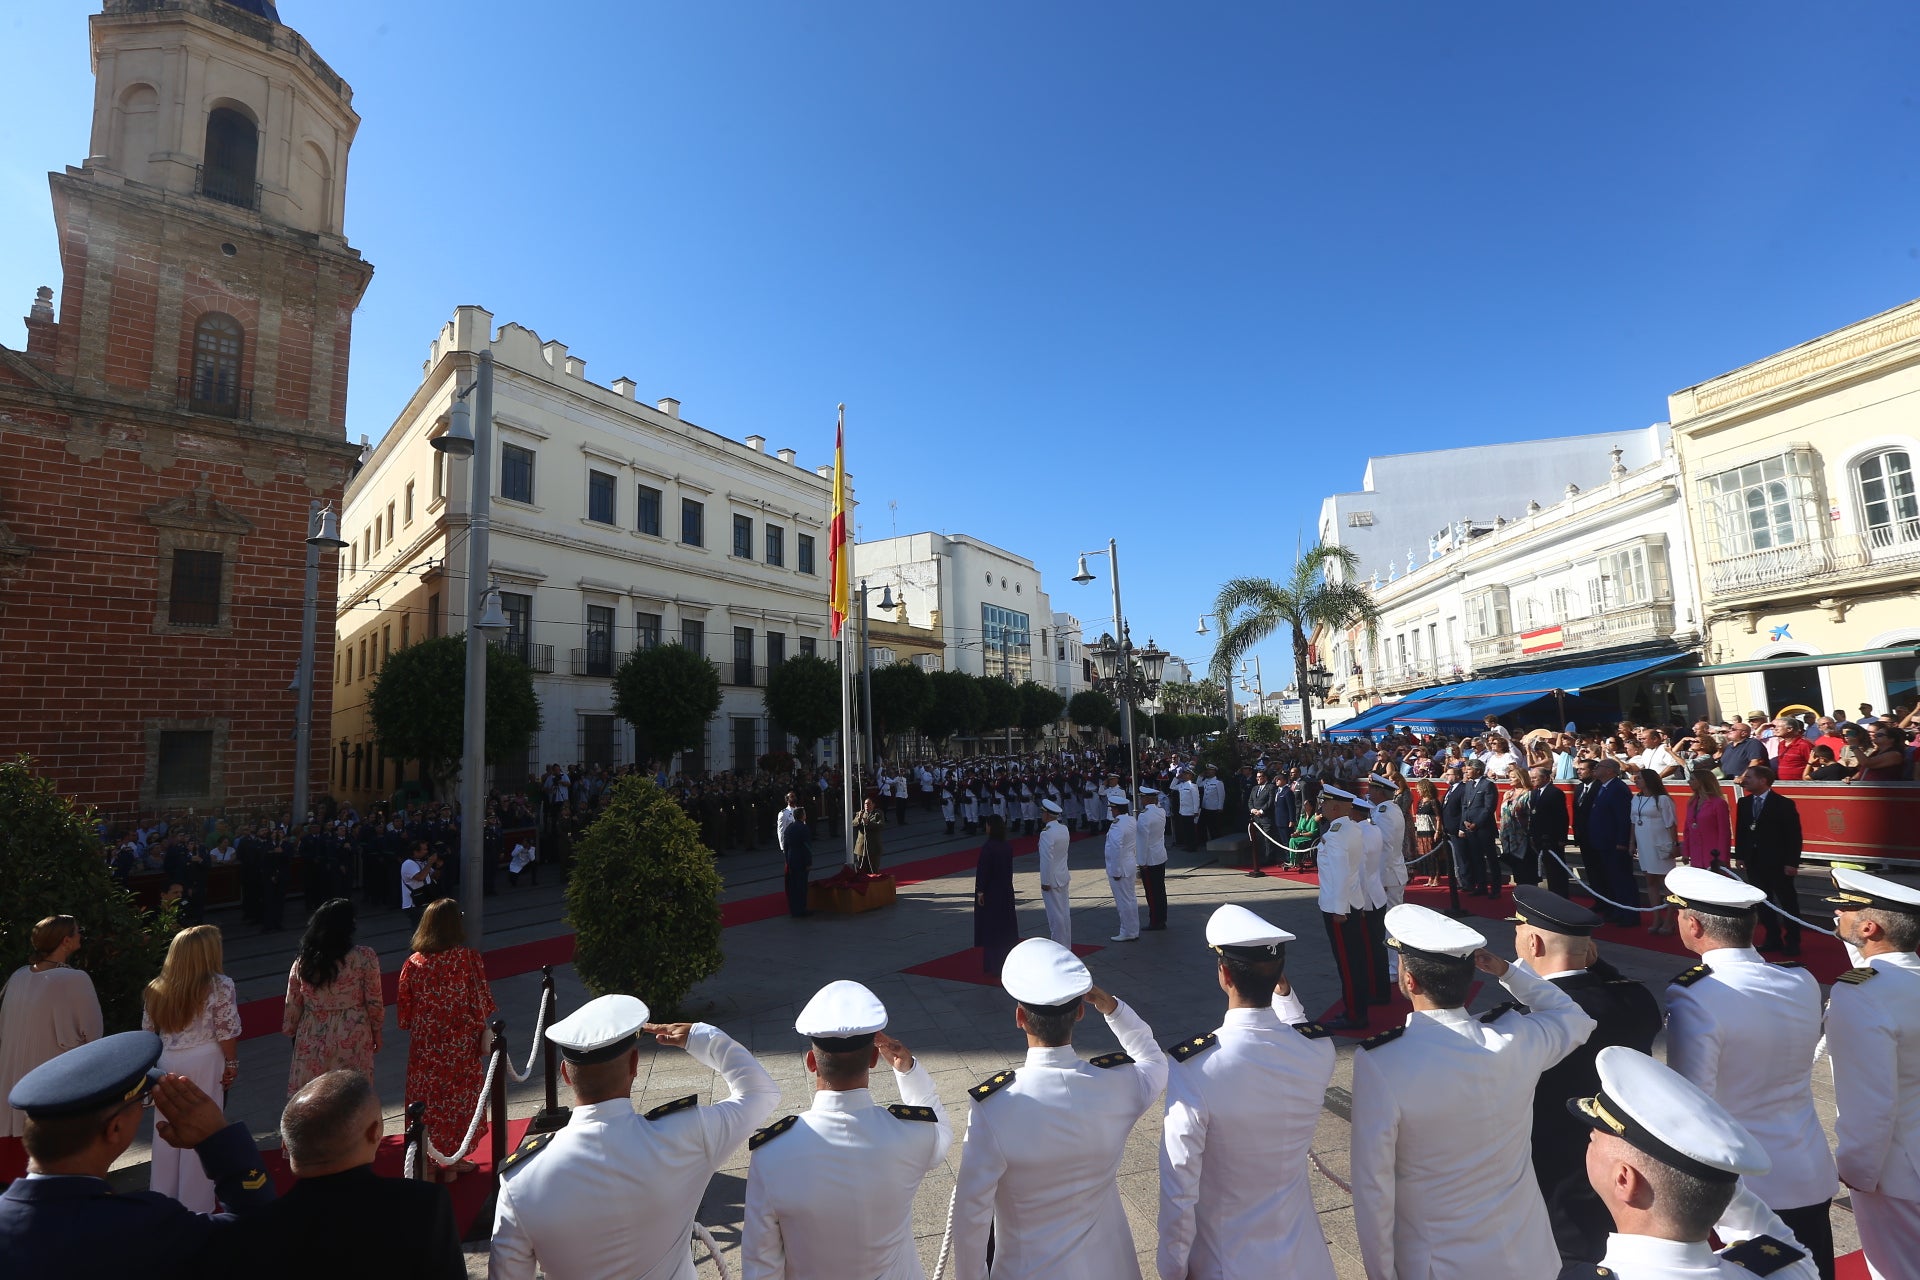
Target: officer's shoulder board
{"type": "Point", "coordinates": [1335, 824]}
{"type": "Point", "coordinates": [1692, 975]}
{"type": "Point", "coordinates": [761, 1137]}
{"type": "Point", "coordinates": [1312, 1030]}
{"type": "Point", "coordinates": [1854, 977]}
{"type": "Point", "coordinates": [902, 1111]}
{"type": "Point", "coordinates": [1586, 1271]}
{"type": "Point", "coordinates": [530, 1146]}
{"type": "Point", "coordinates": [1114, 1059]}
{"type": "Point", "coordinates": [1188, 1048]}
{"type": "Point", "coordinates": [678, 1104]}
{"type": "Point", "coordinates": [1494, 1014]}
{"type": "Point", "coordinates": [1762, 1255]}
{"type": "Point", "coordinates": [990, 1086]}
{"type": "Point", "coordinates": [1385, 1037]}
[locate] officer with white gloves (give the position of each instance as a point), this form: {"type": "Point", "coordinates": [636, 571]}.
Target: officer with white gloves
{"type": "Point", "coordinates": [1123, 863]}
{"type": "Point", "coordinates": [830, 1191]}
{"type": "Point", "coordinates": [1341, 857]}
{"type": "Point", "coordinates": [1055, 876]}
{"type": "Point", "coordinates": [615, 1192]}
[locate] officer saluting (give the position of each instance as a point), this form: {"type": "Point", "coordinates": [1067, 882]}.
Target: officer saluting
{"type": "Point", "coordinates": [1668, 1160]}
{"type": "Point", "coordinates": [83, 1112]}
{"type": "Point", "coordinates": [614, 1193]}
{"type": "Point", "coordinates": [1044, 1141]}
{"type": "Point", "coordinates": [830, 1192]}
{"type": "Point", "coordinates": [1242, 1105]}
{"type": "Point", "coordinates": [1873, 1040]}
{"type": "Point", "coordinates": [1343, 904]}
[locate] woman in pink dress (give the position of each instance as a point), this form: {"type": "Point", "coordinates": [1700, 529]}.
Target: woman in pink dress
{"type": "Point", "coordinates": [444, 1007]}
{"type": "Point", "coordinates": [334, 1007]}
{"type": "Point", "coordinates": [48, 1008]}
{"type": "Point", "coordinates": [191, 1007]}
{"type": "Point", "coordinates": [1707, 835]}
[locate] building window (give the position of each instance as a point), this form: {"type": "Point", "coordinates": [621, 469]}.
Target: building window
{"type": "Point", "coordinates": [693, 635]}
{"type": "Point", "coordinates": [386, 645]}
{"type": "Point", "coordinates": [1889, 508]}
{"type": "Point", "coordinates": [363, 657]}
{"type": "Point", "coordinates": [373, 539]}
{"type": "Point", "coordinates": [776, 546]}
{"type": "Point", "coordinates": [745, 758]}
{"type": "Point", "coordinates": [1634, 575]}
{"type": "Point", "coordinates": [743, 537]}
{"type": "Point", "coordinates": [433, 616]}
{"type": "Point", "coordinates": [803, 552]}
{"type": "Point", "coordinates": [600, 501]}
{"type": "Point", "coordinates": [406, 629]}
{"type": "Point", "coordinates": [806, 646]}
{"type": "Point", "coordinates": [439, 474]}
{"type": "Point", "coordinates": [194, 600]}
{"type": "Point", "coordinates": [518, 640]}
{"type": "Point", "coordinates": [648, 518]}
{"type": "Point", "coordinates": [1489, 614]}
{"type": "Point", "coordinates": [516, 473]}
{"type": "Point", "coordinates": [389, 522]}
{"type": "Point", "coordinates": [1359, 519]}
{"type": "Point", "coordinates": [743, 656]}
{"type": "Point", "coordinates": [693, 523]}
{"type": "Point", "coordinates": [218, 345]}
{"type": "Point", "coordinates": [183, 767]}
{"type": "Point", "coordinates": [776, 648]}
{"type": "Point", "coordinates": [599, 640]}
{"type": "Point", "coordinates": [598, 736]}
{"type": "Point", "coordinates": [646, 630]}
{"type": "Point", "coordinates": [1761, 506]}
{"type": "Point", "coordinates": [232, 159]}
{"type": "Point", "coordinates": [1008, 642]}
{"type": "Point", "coordinates": [408, 509]}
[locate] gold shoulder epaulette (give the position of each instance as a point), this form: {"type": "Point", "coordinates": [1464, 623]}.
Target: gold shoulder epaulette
{"type": "Point", "coordinates": [678, 1104]}
{"type": "Point", "coordinates": [761, 1137]}
{"type": "Point", "coordinates": [1114, 1059]}
{"type": "Point", "coordinates": [529, 1146]}
{"type": "Point", "coordinates": [1692, 975]}
{"type": "Point", "coordinates": [990, 1086]}
{"type": "Point", "coordinates": [1312, 1030]}
{"type": "Point", "coordinates": [1385, 1037]}
{"type": "Point", "coordinates": [1493, 1014]}
{"type": "Point", "coordinates": [902, 1111]}
{"type": "Point", "coordinates": [1854, 977]}
{"type": "Point", "coordinates": [1762, 1255]}
{"type": "Point", "coordinates": [1187, 1048]}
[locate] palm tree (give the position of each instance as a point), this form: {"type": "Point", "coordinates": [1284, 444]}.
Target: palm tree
{"type": "Point", "coordinates": [1254, 608]}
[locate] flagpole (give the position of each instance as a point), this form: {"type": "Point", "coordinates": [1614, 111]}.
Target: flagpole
{"type": "Point", "coordinates": [842, 570]}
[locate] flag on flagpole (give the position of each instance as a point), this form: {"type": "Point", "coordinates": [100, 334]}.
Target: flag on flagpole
{"type": "Point", "coordinates": [839, 543]}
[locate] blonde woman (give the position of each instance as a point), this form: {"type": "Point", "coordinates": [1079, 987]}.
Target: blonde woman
{"type": "Point", "coordinates": [48, 1008]}
{"type": "Point", "coordinates": [191, 1007]}
{"type": "Point", "coordinates": [1656, 841]}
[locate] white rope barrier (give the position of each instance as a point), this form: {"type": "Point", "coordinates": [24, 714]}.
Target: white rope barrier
{"type": "Point", "coordinates": [1794, 916]}
{"type": "Point", "coordinates": [1327, 1173]}
{"type": "Point", "coordinates": [533, 1050]}
{"type": "Point", "coordinates": [705, 1237]}
{"type": "Point", "coordinates": [1580, 880]}
{"type": "Point", "coordinates": [946, 1237]}
{"type": "Point", "coordinates": [473, 1128]}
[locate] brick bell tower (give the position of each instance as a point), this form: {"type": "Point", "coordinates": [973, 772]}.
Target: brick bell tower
{"type": "Point", "coordinates": [163, 441]}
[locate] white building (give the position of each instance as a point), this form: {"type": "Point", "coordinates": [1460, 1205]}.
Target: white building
{"type": "Point", "coordinates": [1072, 666]}
{"type": "Point", "coordinates": [1408, 502]}
{"type": "Point", "coordinates": [615, 524]}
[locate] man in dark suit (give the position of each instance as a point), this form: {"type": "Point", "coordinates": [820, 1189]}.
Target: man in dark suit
{"type": "Point", "coordinates": [1547, 833]}
{"type": "Point", "coordinates": [1478, 804]}
{"type": "Point", "coordinates": [1766, 850]}
{"type": "Point", "coordinates": [1610, 841]}
{"type": "Point", "coordinates": [1262, 806]}
{"type": "Point", "coordinates": [1554, 937]}
{"type": "Point", "coordinates": [341, 1218]}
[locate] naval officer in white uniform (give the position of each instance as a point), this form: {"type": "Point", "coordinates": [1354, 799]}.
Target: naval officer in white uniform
{"type": "Point", "coordinates": [1873, 1041]}
{"type": "Point", "coordinates": [1442, 1149]}
{"type": "Point", "coordinates": [614, 1193]}
{"type": "Point", "coordinates": [1668, 1162]}
{"type": "Point", "coordinates": [830, 1191]}
{"type": "Point", "coordinates": [1243, 1102]}
{"type": "Point", "coordinates": [1746, 1032]}
{"type": "Point", "coordinates": [1055, 877]}
{"type": "Point", "coordinates": [1123, 864]}
{"type": "Point", "coordinates": [1044, 1140]}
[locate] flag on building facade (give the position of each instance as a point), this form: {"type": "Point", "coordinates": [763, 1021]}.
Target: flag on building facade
{"type": "Point", "coordinates": [839, 545]}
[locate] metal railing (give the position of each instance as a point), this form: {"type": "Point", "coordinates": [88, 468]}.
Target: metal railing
{"type": "Point", "coordinates": [1601, 631]}
{"type": "Point", "coordinates": [593, 662]}
{"type": "Point", "coordinates": [1849, 556]}
{"type": "Point", "coordinates": [538, 657]}
{"type": "Point", "coordinates": [227, 188]}
{"type": "Point", "coordinates": [744, 675]}
{"type": "Point", "coordinates": [208, 395]}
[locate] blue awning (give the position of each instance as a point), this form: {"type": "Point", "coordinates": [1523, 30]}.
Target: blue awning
{"type": "Point", "coordinates": [1463, 706]}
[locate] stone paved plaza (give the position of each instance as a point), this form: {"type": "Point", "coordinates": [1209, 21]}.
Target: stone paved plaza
{"type": "Point", "coordinates": [963, 1031]}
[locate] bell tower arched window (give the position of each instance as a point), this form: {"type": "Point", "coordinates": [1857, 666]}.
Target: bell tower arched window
{"type": "Point", "coordinates": [218, 344]}
{"type": "Point", "coordinates": [232, 159]}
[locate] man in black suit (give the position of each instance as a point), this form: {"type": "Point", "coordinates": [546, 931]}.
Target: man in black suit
{"type": "Point", "coordinates": [1263, 803]}
{"type": "Point", "coordinates": [1479, 802]}
{"type": "Point", "coordinates": [1547, 833]}
{"type": "Point", "coordinates": [1554, 937]}
{"type": "Point", "coordinates": [1609, 852]}
{"type": "Point", "coordinates": [1766, 850]}
{"type": "Point", "coordinates": [341, 1218]}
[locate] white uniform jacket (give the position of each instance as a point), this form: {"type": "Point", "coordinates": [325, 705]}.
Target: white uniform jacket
{"type": "Point", "coordinates": [1123, 858]}
{"type": "Point", "coordinates": [1189, 797]}
{"type": "Point", "coordinates": [1235, 1203]}
{"type": "Point", "coordinates": [1042, 1161]}
{"type": "Point", "coordinates": [832, 1195]}
{"type": "Point", "coordinates": [614, 1193]}
{"type": "Point", "coordinates": [1373, 847]}
{"type": "Point", "coordinates": [1152, 826]}
{"type": "Point", "coordinates": [1342, 860]}
{"type": "Point", "coordinates": [1393, 835]}
{"type": "Point", "coordinates": [1213, 794]}
{"type": "Point", "coordinates": [1055, 841]}
{"type": "Point", "coordinates": [1443, 1181]}
{"type": "Point", "coordinates": [1873, 1038]}
{"type": "Point", "coordinates": [1741, 1226]}
{"type": "Point", "coordinates": [1746, 1032]}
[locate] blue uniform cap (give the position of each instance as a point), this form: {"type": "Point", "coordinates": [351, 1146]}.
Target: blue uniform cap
{"type": "Point", "coordinates": [117, 1068]}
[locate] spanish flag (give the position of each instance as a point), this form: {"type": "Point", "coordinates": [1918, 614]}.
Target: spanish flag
{"type": "Point", "coordinates": [839, 544]}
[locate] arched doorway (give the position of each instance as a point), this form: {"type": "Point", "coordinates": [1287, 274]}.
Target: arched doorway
{"type": "Point", "coordinates": [1788, 686]}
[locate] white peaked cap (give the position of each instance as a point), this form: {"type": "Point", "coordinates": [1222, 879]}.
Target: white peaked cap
{"type": "Point", "coordinates": [840, 1010]}
{"type": "Point", "coordinates": [1041, 971]}
{"type": "Point", "coordinates": [1423, 930]}
{"type": "Point", "coordinates": [600, 1030]}
{"type": "Point", "coordinates": [1235, 926]}
{"type": "Point", "coordinates": [1655, 1109]}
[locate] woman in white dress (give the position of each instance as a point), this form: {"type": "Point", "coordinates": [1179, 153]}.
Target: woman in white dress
{"type": "Point", "coordinates": [1656, 837]}
{"type": "Point", "coordinates": [191, 1007]}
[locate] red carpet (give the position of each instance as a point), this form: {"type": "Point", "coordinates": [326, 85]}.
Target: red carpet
{"type": "Point", "coordinates": [1850, 1266]}
{"type": "Point", "coordinates": [469, 1192]}
{"type": "Point", "coordinates": [262, 1017]}
{"type": "Point", "coordinates": [964, 966]}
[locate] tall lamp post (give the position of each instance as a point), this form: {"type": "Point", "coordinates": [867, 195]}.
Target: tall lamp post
{"type": "Point", "coordinates": [469, 434]}
{"type": "Point", "coordinates": [323, 530]}
{"type": "Point", "coordinates": [1201, 630]}
{"type": "Point", "coordinates": [872, 762]}
{"type": "Point", "coordinates": [1319, 683]}
{"type": "Point", "coordinates": [1114, 660]}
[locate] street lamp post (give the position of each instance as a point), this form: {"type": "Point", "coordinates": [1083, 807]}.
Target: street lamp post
{"type": "Point", "coordinates": [323, 530]}
{"type": "Point", "coordinates": [1114, 660]}
{"type": "Point", "coordinates": [866, 679]}
{"type": "Point", "coordinates": [1319, 682]}
{"type": "Point", "coordinates": [1201, 630]}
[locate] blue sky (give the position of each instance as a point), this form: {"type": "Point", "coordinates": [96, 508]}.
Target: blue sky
{"type": "Point", "coordinates": [1156, 272]}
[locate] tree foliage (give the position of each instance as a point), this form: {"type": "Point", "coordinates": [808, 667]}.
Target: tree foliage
{"type": "Point", "coordinates": [901, 693]}
{"type": "Point", "coordinates": [956, 705]}
{"type": "Point", "coordinates": [1001, 704]}
{"type": "Point", "coordinates": [803, 696]}
{"type": "Point", "coordinates": [643, 895]}
{"type": "Point", "coordinates": [667, 693]}
{"type": "Point", "coordinates": [1321, 592]}
{"type": "Point", "coordinates": [1262, 728]}
{"type": "Point", "coordinates": [1090, 708]}
{"type": "Point", "coordinates": [55, 866]}
{"type": "Point", "coordinates": [418, 704]}
{"type": "Point", "coordinates": [1039, 706]}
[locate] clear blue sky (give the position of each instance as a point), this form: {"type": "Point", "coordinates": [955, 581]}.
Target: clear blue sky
{"type": "Point", "coordinates": [1166, 273]}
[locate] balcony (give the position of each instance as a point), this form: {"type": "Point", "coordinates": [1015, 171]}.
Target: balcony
{"type": "Point", "coordinates": [227, 188]}
{"type": "Point", "coordinates": [1601, 631]}
{"type": "Point", "coordinates": [1819, 564]}
{"type": "Point", "coordinates": [539, 657]}
{"type": "Point", "coordinates": [214, 396]}
{"type": "Point", "coordinates": [744, 675]}
{"type": "Point", "coordinates": [1396, 677]}
{"type": "Point", "coordinates": [593, 662]}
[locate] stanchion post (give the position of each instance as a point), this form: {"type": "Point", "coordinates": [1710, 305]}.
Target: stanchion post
{"type": "Point", "coordinates": [553, 1115]}
{"type": "Point", "coordinates": [1453, 879]}
{"type": "Point", "coordinates": [499, 1107]}
{"type": "Point", "coordinates": [417, 1138]}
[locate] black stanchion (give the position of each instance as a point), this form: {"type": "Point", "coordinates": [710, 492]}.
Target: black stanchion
{"type": "Point", "coordinates": [499, 1107]}
{"type": "Point", "coordinates": [553, 1115]}
{"type": "Point", "coordinates": [417, 1138]}
{"type": "Point", "coordinates": [1454, 908]}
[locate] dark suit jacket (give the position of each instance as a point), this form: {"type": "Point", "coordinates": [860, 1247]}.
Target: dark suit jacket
{"type": "Point", "coordinates": [1773, 842]}
{"type": "Point", "coordinates": [353, 1224]}
{"type": "Point", "coordinates": [1479, 803]}
{"type": "Point", "coordinates": [1547, 819]}
{"type": "Point", "coordinates": [1583, 794]}
{"type": "Point", "coordinates": [1610, 820]}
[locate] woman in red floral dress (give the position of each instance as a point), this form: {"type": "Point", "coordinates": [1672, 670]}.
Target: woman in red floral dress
{"type": "Point", "coordinates": [444, 1007]}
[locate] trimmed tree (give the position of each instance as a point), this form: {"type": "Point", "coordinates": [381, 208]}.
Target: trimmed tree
{"type": "Point", "coordinates": [667, 693]}
{"type": "Point", "coordinates": [1002, 704]}
{"type": "Point", "coordinates": [1090, 709]}
{"type": "Point", "coordinates": [1262, 728]}
{"type": "Point", "coordinates": [54, 867]}
{"type": "Point", "coordinates": [901, 693]}
{"type": "Point", "coordinates": [418, 704]}
{"type": "Point", "coordinates": [1039, 706]}
{"type": "Point", "coordinates": [643, 895]}
{"type": "Point", "coordinates": [803, 696]}
{"type": "Point", "coordinates": [956, 705]}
